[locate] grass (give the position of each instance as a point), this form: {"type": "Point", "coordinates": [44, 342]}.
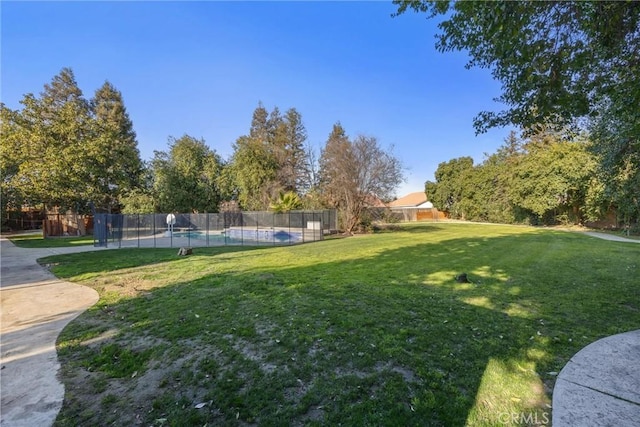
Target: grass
{"type": "Point", "coordinates": [36, 241]}
{"type": "Point", "coordinates": [369, 330]}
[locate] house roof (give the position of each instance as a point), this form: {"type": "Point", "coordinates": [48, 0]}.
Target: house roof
{"type": "Point", "coordinates": [410, 200]}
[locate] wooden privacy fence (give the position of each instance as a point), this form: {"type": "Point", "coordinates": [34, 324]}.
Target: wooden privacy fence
{"type": "Point", "coordinates": [419, 214]}
{"type": "Point", "coordinates": [68, 224]}
{"type": "Point", "coordinates": [404, 214]}
{"type": "Point", "coordinates": [432, 214]}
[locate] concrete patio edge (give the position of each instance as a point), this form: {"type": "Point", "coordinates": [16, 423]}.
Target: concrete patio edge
{"type": "Point", "coordinates": [600, 385]}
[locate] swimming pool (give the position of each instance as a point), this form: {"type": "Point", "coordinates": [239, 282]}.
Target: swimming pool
{"type": "Point", "coordinates": [243, 235]}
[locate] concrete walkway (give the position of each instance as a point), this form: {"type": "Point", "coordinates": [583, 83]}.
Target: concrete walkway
{"type": "Point", "coordinates": [35, 308]}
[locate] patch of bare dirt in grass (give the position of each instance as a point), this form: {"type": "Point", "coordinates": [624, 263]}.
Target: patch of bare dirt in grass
{"type": "Point", "coordinates": [253, 353]}
{"type": "Point", "coordinates": [315, 413]}
{"type": "Point", "coordinates": [92, 397]}
{"type": "Point", "coordinates": [128, 401]}
{"type": "Point", "coordinates": [265, 329]}
{"type": "Point", "coordinates": [126, 285]}
{"type": "Point", "coordinates": [407, 374]}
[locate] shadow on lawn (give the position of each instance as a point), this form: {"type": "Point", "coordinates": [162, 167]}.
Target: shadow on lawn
{"type": "Point", "coordinates": [391, 339]}
{"type": "Point", "coordinates": [113, 260]}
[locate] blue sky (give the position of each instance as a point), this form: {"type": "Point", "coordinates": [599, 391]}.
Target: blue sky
{"type": "Point", "coordinates": [200, 68]}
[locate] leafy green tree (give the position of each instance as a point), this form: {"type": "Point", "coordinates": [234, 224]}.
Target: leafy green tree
{"type": "Point", "coordinates": [543, 179]}
{"type": "Point", "coordinates": [449, 191]}
{"type": "Point", "coordinates": [11, 157]}
{"type": "Point", "coordinates": [483, 196]}
{"type": "Point", "coordinates": [430, 188]}
{"type": "Point", "coordinates": [467, 191]}
{"type": "Point", "coordinates": [552, 181]}
{"type": "Point", "coordinates": [138, 201]}
{"type": "Point", "coordinates": [619, 167]}
{"type": "Point", "coordinates": [487, 194]}
{"type": "Point", "coordinates": [253, 169]}
{"type": "Point", "coordinates": [352, 171]}
{"type": "Point", "coordinates": [186, 177]}
{"type": "Point", "coordinates": [55, 134]}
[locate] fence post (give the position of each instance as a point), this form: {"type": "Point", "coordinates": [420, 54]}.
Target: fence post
{"type": "Point", "coordinates": [120, 229]}
{"type": "Point", "coordinates": [302, 226]}
{"type": "Point", "coordinates": [289, 226]}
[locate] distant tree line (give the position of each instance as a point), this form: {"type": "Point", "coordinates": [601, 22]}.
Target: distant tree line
{"type": "Point", "coordinates": [542, 179]}
{"type": "Point", "coordinates": [62, 150]}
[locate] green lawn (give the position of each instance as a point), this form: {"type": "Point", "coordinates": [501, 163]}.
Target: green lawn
{"type": "Point", "coordinates": [368, 330]}
{"type": "Point", "coordinates": [37, 241]}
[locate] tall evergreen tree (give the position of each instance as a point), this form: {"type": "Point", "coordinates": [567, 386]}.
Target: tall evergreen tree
{"type": "Point", "coordinates": [115, 160]}
{"type": "Point", "coordinates": [296, 166]}
{"type": "Point", "coordinates": [271, 159]}
{"type": "Point", "coordinates": [333, 174]}
{"type": "Point", "coordinates": [259, 124]}
{"type": "Point", "coordinates": [253, 169]}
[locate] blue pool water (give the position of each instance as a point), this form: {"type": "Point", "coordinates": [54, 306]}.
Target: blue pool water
{"type": "Point", "coordinates": [239, 235]}
{"type": "Point", "coordinates": [264, 235]}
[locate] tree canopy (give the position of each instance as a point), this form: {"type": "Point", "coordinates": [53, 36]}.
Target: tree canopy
{"type": "Point", "coordinates": [186, 177]}
{"type": "Point", "coordinates": [560, 63]}
{"type": "Point", "coordinates": [557, 61]}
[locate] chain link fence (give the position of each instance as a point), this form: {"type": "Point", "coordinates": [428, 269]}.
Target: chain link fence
{"type": "Point", "coordinates": [212, 229]}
